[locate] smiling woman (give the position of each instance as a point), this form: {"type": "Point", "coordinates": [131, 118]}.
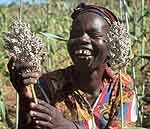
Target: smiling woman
{"type": "Point", "coordinates": [85, 95]}
{"type": "Point", "coordinates": [88, 36]}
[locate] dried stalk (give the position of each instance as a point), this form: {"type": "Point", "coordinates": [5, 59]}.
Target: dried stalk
{"type": "Point", "coordinates": [121, 100]}
{"type": "Point", "coordinates": [33, 93]}
{"type": "Point", "coordinates": [22, 43]}
{"type": "Point", "coordinates": [118, 45]}
{"type": "Point", "coordinates": [119, 52]}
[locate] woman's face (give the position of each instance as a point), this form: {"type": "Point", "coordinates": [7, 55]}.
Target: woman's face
{"type": "Point", "coordinates": [87, 43]}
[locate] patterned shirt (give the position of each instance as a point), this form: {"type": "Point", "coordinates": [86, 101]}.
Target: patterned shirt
{"type": "Point", "coordinates": [58, 89]}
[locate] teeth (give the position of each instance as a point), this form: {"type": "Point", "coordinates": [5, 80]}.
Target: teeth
{"type": "Point", "coordinates": [84, 52]}
{"type": "Point", "coordinates": [89, 57]}
{"type": "Point", "coordinates": [88, 52]}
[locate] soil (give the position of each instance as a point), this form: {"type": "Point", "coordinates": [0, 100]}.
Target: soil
{"type": "Point", "coordinates": [10, 102]}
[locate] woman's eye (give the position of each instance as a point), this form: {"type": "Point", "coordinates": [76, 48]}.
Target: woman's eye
{"type": "Point", "coordinates": [96, 36]}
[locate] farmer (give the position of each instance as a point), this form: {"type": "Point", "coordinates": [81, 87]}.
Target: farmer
{"type": "Point", "coordinates": [84, 95]}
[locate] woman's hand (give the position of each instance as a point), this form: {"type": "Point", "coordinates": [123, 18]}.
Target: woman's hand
{"type": "Point", "coordinates": [45, 115]}
{"type": "Point", "coordinates": [19, 78]}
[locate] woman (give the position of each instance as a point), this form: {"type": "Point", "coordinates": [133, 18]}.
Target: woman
{"type": "Point", "coordinates": [84, 95]}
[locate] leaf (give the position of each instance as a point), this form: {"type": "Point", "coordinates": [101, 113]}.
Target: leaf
{"type": "Point", "coordinates": [53, 36]}
{"type": "Point", "coordinates": [146, 14]}
{"type": "Point", "coordinates": [3, 111]}
{"type": "Point", "coordinates": [133, 36]}
{"type": "Point", "coordinates": [146, 56]}
{"type": "Point", "coordinates": [69, 3]}
{"type": "Point", "coordinates": [128, 8]}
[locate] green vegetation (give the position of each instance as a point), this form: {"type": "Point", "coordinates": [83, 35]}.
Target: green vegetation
{"type": "Point", "coordinates": [52, 22]}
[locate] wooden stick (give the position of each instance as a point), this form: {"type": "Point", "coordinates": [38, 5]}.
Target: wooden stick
{"type": "Point", "coordinates": [33, 93]}
{"type": "Point", "coordinates": [121, 98]}
{"type": "Point", "coordinates": [17, 110]}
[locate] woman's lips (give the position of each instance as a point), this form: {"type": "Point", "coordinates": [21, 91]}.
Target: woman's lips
{"type": "Point", "coordinates": [83, 52]}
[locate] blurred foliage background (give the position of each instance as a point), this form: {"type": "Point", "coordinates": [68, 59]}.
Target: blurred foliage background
{"type": "Point", "coordinates": [51, 21]}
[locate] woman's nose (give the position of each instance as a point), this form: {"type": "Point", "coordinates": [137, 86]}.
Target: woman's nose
{"type": "Point", "coordinates": [85, 38]}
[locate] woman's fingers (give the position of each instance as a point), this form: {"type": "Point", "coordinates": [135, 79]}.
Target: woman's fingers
{"type": "Point", "coordinates": [42, 119]}
{"type": "Point", "coordinates": [46, 115]}
{"type": "Point", "coordinates": [45, 108]}
{"type": "Point", "coordinates": [30, 78]}
{"type": "Point", "coordinates": [29, 81]}
{"type": "Point", "coordinates": [31, 75]}
{"type": "Point", "coordinates": [44, 123]}
{"type": "Point", "coordinates": [27, 78]}
{"type": "Point", "coordinates": [40, 108]}
{"type": "Point", "coordinates": [37, 127]}
{"type": "Point", "coordinates": [22, 66]}
{"type": "Point", "coordinates": [45, 104]}
{"type": "Point", "coordinates": [41, 116]}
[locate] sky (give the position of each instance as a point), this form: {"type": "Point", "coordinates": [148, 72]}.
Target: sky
{"type": "Point", "coordinates": [10, 1]}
